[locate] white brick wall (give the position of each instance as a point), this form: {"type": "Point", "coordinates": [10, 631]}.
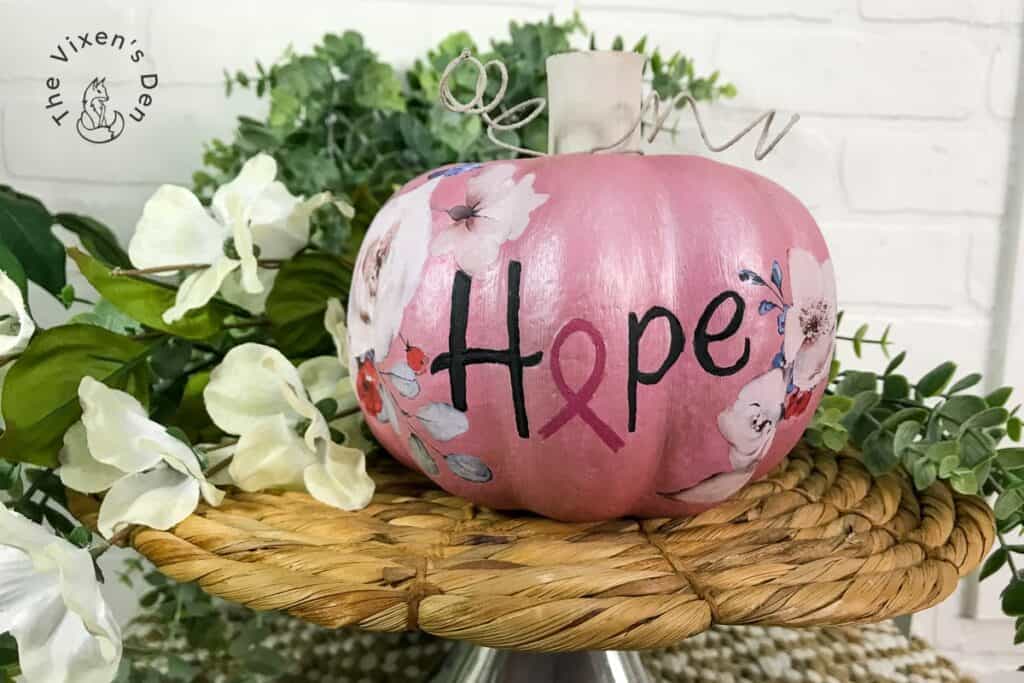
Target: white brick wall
{"type": "Point", "coordinates": [902, 153]}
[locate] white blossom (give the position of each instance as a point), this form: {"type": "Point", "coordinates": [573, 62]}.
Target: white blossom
{"type": "Point", "coordinates": [254, 213]}
{"type": "Point", "coordinates": [151, 477]}
{"type": "Point", "coordinates": [284, 441]}
{"type": "Point", "coordinates": [51, 603]}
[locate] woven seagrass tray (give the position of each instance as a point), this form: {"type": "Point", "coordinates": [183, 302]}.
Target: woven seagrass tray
{"type": "Point", "coordinates": [818, 542]}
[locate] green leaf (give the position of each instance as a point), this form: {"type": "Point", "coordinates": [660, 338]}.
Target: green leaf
{"type": "Point", "coordinates": [169, 360]}
{"type": "Point", "coordinates": [862, 402]}
{"type": "Point", "coordinates": [993, 564]}
{"type": "Point", "coordinates": [936, 379]}
{"type": "Point", "coordinates": [146, 301]}
{"type": "Point", "coordinates": [855, 382]}
{"type": "Point", "coordinates": [298, 301]}
{"type": "Point", "coordinates": [916, 415]}
{"type": "Point", "coordinates": [990, 417]}
{"type": "Point", "coordinates": [976, 447]}
{"type": "Point", "coordinates": [878, 453]}
{"type": "Point", "coordinates": [104, 314]}
{"type": "Point", "coordinates": [964, 481]}
{"type": "Point", "coordinates": [835, 439]}
{"type": "Point", "coordinates": [26, 231]}
{"type": "Point", "coordinates": [895, 387]}
{"type": "Point", "coordinates": [377, 87]}
{"type": "Point", "coordinates": [959, 409]}
{"type": "Point", "coordinates": [965, 383]}
{"type": "Point", "coordinates": [1013, 598]}
{"type": "Point", "coordinates": [924, 474]}
{"type": "Point", "coordinates": [1013, 428]}
{"type": "Point", "coordinates": [895, 363]}
{"type": "Point", "coordinates": [10, 265]}
{"type": "Point", "coordinates": [858, 338]}
{"type": "Point", "coordinates": [940, 450]}
{"type": "Point", "coordinates": [999, 397]}
{"type": "Point", "coordinates": [80, 536]}
{"type": "Point", "coordinates": [98, 239]}
{"type": "Point", "coordinates": [1010, 458]}
{"type": "Point", "coordinates": [904, 436]}
{"type": "Point", "coordinates": [948, 465]}
{"type": "Point", "coordinates": [1008, 502]}
{"type": "Point", "coordinates": [40, 394]}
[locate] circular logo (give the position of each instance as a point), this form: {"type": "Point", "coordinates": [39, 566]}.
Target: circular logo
{"type": "Point", "coordinates": [107, 105]}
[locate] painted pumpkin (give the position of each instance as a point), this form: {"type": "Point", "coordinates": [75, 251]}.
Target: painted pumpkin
{"type": "Point", "coordinates": [592, 336]}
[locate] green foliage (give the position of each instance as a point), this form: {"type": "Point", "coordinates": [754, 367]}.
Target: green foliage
{"type": "Point", "coordinates": [341, 120]}
{"type": "Point", "coordinates": [25, 232]}
{"type": "Point", "coordinates": [298, 301]}
{"type": "Point", "coordinates": [40, 393]}
{"type": "Point", "coordinates": [98, 240]}
{"type": "Point", "coordinates": [146, 300]}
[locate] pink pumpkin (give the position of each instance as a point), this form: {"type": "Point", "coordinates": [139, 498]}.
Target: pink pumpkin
{"type": "Point", "coordinates": [592, 336]}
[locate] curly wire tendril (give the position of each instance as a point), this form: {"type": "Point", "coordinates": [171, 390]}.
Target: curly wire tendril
{"type": "Point", "coordinates": [652, 105]}
{"type": "Point", "coordinates": [476, 104]}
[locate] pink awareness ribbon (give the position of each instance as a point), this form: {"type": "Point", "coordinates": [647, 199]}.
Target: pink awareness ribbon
{"type": "Point", "coordinates": [576, 402]}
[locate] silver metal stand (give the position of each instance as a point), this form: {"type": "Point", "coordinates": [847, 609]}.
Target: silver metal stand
{"type": "Point", "coordinates": [473, 664]}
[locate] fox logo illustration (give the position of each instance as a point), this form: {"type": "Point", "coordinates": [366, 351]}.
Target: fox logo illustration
{"type": "Point", "coordinates": [97, 123]}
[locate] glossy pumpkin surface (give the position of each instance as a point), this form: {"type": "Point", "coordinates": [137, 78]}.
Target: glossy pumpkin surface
{"type": "Point", "coordinates": [592, 336]}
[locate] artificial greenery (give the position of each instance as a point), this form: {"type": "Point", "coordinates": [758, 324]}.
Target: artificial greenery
{"type": "Point", "coordinates": [339, 120]}
{"type": "Point", "coordinates": [342, 120]}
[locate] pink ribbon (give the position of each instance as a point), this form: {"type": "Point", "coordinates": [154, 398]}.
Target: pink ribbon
{"type": "Point", "coordinates": [576, 401]}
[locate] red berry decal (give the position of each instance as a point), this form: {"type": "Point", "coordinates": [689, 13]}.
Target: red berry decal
{"type": "Point", "coordinates": [368, 388]}
{"type": "Point", "coordinates": [416, 359]}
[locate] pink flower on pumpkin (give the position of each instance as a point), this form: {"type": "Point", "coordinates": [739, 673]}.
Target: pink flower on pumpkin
{"type": "Point", "coordinates": [809, 339]}
{"type": "Point", "coordinates": [749, 427]}
{"type": "Point", "coordinates": [497, 209]}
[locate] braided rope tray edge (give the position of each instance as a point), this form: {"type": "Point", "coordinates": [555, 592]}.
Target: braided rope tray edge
{"type": "Point", "coordinates": [818, 542]}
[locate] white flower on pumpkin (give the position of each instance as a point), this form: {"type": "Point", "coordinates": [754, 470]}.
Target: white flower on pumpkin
{"type": "Point", "coordinates": [497, 209]}
{"type": "Point", "coordinates": [809, 339]}
{"type": "Point", "coordinates": [151, 477]}
{"type": "Point", "coordinates": [16, 325]}
{"type": "Point", "coordinates": [254, 212]}
{"type": "Point", "coordinates": [51, 603]}
{"type": "Point", "coordinates": [257, 394]}
{"type": "Point", "coordinates": [749, 426]}
{"type": "Point", "coordinates": [389, 269]}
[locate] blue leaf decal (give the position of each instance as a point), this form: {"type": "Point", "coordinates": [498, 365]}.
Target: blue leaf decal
{"type": "Point", "coordinates": [422, 458]}
{"type": "Point", "coordinates": [777, 274]}
{"type": "Point", "coordinates": [781, 321]}
{"type": "Point", "coordinates": [779, 360]}
{"type": "Point", "coordinates": [766, 306]}
{"type": "Point", "coordinates": [457, 169]}
{"type": "Point", "coordinates": [750, 275]}
{"type": "Point", "coordinates": [469, 467]}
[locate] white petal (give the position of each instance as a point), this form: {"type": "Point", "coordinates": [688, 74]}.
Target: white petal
{"type": "Point", "coordinates": [55, 647]}
{"type": "Point", "coordinates": [186, 462]}
{"type": "Point", "coordinates": [341, 479]}
{"type": "Point", "coordinates": [241, 233]}
{"type": "Point", "coordinates": [334, 321]}
{"type": "Point", "coordinates": [199, 287]}
{"type": "Point", "coordinates": [714, 489]}
{"type": "Point", "coordinates": [806, 284]}
{"type": "Point", "coordinates": [159, 499]}
{"type": "Point", "coordinates": [118, 431]}
{"type": "Point", "coordinates": [175, 229]}
{"type": "Point", "coordinates": [233, 292]}
{"type": "Point", "coordinates": [245, 388]}
{"type": "Point", "coordinates": [300, 403]}
{"type": "Point", "coordinates": [270, 455]}
{"type": "Point", "coordinates": [254, 179]}
{"type": "Point", "coordinates": [280, 223]}
{"type": "Point", "coordinates": [17, 327]}
{"type": "Point", "coordinates": [19, 532]}
{"type": "Point", "coordinates": [79, 471]}
{"type": "Point", "coordinates": [22, 586]}
{"type": "Point", "coordinates": [322, 376]}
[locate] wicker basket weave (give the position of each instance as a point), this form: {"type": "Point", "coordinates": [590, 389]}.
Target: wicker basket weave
{"type": "Point", "coordinates": [820, 541]}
